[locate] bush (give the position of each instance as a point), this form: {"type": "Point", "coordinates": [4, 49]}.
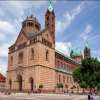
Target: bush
{"type": "Point", "coordinates": [98, 86]}
{"type": "Point", "coordinates": [60, 85]}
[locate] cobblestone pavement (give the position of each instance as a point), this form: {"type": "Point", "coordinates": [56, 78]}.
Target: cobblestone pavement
{"type": "Point", "coordinates": [22, 96]}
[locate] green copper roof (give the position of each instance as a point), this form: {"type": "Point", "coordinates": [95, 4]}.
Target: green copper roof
{"type": "Point", "coordinates": [75, 52]}
{"type": "Point", "coordinates": [50, 7]}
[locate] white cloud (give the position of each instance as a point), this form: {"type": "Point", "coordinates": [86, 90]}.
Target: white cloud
{"type": "Point", "coordinates": [22, 5]}
{"type": "Point", "coordinates": [2, 14]}
{"type": "Point", "coordinates": [4, 49]}
{"type": "Point", "coordinates": [64, 47]}
{"type": "Point", "coordinates": [6, 27]}
{"type": "Point", "coordinates": [96, 54]}
{"type": "Point", "coordinates": [2, 37]}
{"type": "Point", "coordinates": [3, 69]}
{"type": "Point", "coordinates": [86, 33]}
{"type": "Point", "coordinates": [3, 57]}
{"type": "Point", "coordinates": [68, 18]}
{"type": "Point", "coordinates": [19, 9]}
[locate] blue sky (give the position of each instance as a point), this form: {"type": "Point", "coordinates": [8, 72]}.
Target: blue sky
{"type": "Point", "coordinates": [76, 22]}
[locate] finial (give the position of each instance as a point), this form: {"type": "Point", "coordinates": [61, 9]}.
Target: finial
{"type": "Point", "coordinates": [50, 7]}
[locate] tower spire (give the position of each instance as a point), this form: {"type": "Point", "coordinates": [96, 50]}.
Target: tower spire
{"type": "Point", "coordinates": [50, 6]}
{"type": "Point", "coordinates": [87, 50]}
{"type": "Point", "coordinates": [50, 20]}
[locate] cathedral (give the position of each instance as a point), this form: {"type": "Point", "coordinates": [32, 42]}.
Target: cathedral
{"type": "Point", "coordinates": [33, 60]}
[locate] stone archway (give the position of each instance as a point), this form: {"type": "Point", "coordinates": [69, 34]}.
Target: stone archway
{"type": "Point", "coordinates": [31, 81]}
{"type": "Point", "coordinates": [19, 77]}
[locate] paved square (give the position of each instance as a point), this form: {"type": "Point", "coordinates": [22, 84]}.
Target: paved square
{"type": "Point", "coordinates": [22, 96]}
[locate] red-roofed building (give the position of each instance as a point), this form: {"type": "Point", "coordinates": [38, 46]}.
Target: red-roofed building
{"type": "Point", "coordinates": [2, 81]}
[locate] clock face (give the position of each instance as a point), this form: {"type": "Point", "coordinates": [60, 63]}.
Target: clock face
{"type": "Point", "coordinates": [50, 8]}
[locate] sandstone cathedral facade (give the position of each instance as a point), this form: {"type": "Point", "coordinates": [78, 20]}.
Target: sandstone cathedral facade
{"type": "Point", "coordinates": [33, 60]}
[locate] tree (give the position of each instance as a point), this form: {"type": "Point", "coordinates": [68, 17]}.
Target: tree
{"type": "Point", "coordinates": [98, 86]}
{"type": "Point", "coordinates": [88, 74]}
{"type": "Point", "coordinates": [83, 85]}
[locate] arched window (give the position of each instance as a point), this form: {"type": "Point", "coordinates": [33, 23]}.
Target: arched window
{"type": "Point", "coordinates": [20, 58]}
{"type": "Point", "coordinates": [67, 78]}
{"type": "Point", "coordinates": [63, 79]}
{"type": "Point", "coordinates": [47, 55]}
{"type": "Point", "coordinates": [47, 17]}
{"type": "Point", "coordinates": [31, 81]}
{"type": "Point", "coordinates": [59, 78]}
{"type": "Point", "coordinates": [29, 24]}
{"type": "Point", "coordinates": [20, 80]}
{"type": "Point", "coordinates": [32, 53]}
{"type": "Point", "coordinates": [11, 60]}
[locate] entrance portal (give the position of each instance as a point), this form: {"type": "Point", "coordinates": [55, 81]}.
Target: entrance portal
{"type": "Point", "coordinates": [19, 82]}
{"type": "Point", "coordinates": [31, 83]}
{"type": "Point", "coordinates": [10, 84]}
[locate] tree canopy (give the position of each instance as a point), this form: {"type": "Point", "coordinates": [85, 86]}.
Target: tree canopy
{"type": "Point", "coordinates": [88, 74]}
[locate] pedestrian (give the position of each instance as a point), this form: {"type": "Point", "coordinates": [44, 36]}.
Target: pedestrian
{"type": "Point", "coordinates": [89, 97]}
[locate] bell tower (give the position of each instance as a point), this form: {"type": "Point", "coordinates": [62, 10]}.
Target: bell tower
{"type": "Point", "coordinates": [87, 51]}
{"type": "Point", "coordinates": [50, 21]}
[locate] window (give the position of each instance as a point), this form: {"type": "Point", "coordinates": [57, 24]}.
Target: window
{"type": "Point", "coordinates": [47, 55]}
{"type": "Point", "coordinates": [67, 78]}
{"type": "Point", "coordinates": [30, 24]}
{"type": "Point", "coordinates": [20, 58]}
{"type": "Point", "coordinates": [47, 17]}
{"type": "Point", "coordinates": [59, 78]}
{"type": "Point", "coordinates": [61, 65]}
{"type": "Point", "coordinates": [32, 54]}
{"type": "Point", "coordinates": [64, 79]}
{"type": "Point", "coordinates": [11, 60]}
{"type": "Point", "coordinates": [58, 63]}
{"type": "Point", "coordinates": [70, 79]}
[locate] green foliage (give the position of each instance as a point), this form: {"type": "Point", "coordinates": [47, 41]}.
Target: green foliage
{"type": "Point", "coordinates": [98, 86]}
{"type": "Point", "coordinates": [88, 74]}
{"type": "Point", "coordinates": [76, 75]}
{"type": "Point", "coordinates": [60, 85]}
{"type": "Point", "coordinates": [41, 86]}
{"type": "Point", "coordinates": [83, 85]}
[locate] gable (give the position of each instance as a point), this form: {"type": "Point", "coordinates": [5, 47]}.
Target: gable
{"type": "Point", "coordinates": [21, 38]}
